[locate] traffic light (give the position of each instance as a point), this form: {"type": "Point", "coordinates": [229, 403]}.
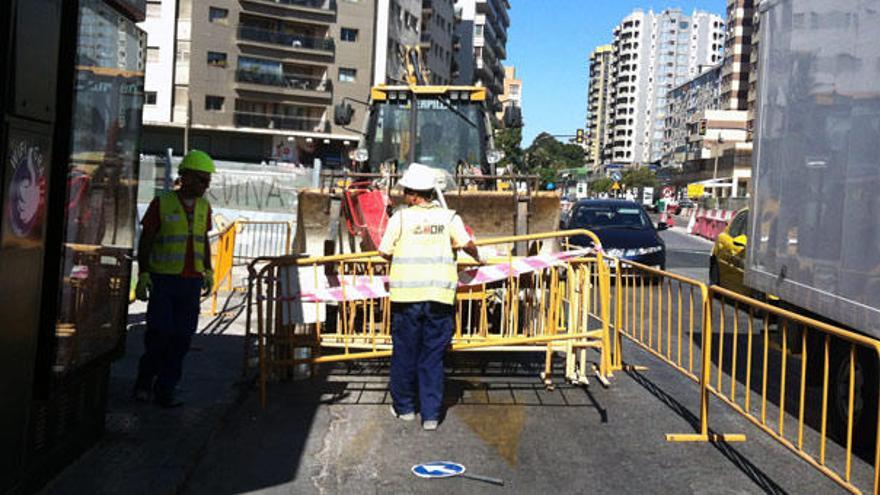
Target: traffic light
{"type": "Point", "coordinates": [702, 127]}
{"type": "Point", "coordinates": [579, 136]}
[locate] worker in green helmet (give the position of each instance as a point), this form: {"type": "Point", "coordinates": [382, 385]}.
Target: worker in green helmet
{"type": "Point", "coordinates": [174, 262]}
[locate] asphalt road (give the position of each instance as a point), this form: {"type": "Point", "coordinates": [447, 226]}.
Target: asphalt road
{"type": "Point", "coordinates": [686, 254]}
{"type": "Point", "coordinates": [333, 433]}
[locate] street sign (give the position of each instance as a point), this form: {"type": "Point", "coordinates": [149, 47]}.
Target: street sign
{"type": "Point", "coordinates": [695, 190]}
{"type": "Point", "coordinates": [437, 469]}
{"type": "Point", "coordinates": [616, 176]}
{"type": "Point", "coordinates": [616, 186]}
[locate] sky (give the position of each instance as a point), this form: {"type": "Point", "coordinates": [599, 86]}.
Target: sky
{"type": "Point", "coordinates": [549, 43]}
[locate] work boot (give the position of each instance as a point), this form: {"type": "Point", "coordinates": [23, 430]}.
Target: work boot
{"type": "Point", "coordinates": [405, 416]}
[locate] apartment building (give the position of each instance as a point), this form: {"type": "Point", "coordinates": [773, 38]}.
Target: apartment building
{"type": "Point", "coordinates": [753, 70]}
{"type": "Point", "coordinates": [598, 108]}
{"type": "Point", "coordinates": [512, 95]}
{"type": "Point", "coordinates": [687, 105]}
{"type": "Point", "coordinates": [654, 53]}
{"type": "Point", "coordinates": [255, 80]}
{"type": "Point", "coordinates": [482, 39]}
{"type": "Point", "coordinates": [737, 53]}
{"type": "Point", "coordinates": [397, 27]}
{"type": "Point", "coordinates": [436, 39]}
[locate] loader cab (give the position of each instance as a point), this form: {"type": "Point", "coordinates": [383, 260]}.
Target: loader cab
{"type": "Point", "coordinates": [444, 129]}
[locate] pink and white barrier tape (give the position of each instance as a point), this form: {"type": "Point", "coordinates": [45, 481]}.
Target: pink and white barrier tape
{"type": "Point", "coordinates": [363, 287]}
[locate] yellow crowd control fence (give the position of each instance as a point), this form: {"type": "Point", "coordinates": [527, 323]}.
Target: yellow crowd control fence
{"type": "Point", "coordinates": [793, 377]}
{"type": "Point", "coordinates": [552, 309]}
{"type": "Point", "coordinates": [241, 242]}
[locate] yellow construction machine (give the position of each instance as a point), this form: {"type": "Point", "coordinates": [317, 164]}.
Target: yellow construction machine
{"type": "Point", "coordinates": [449, 128]}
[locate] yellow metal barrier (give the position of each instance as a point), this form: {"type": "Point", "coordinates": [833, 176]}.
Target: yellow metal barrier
{"type": "Point", "coordinates": [261, 239]}
{"type": "Point", "coordinates": [244, 241]}
{"type": "Point", "coordinates": [222, 249]}
{"type": "Point", "coordinates": [550, 310]}
{"type": "Point", "coordinates": [740, 350]}
{"type": "Point", "coordinates": [753, 373]}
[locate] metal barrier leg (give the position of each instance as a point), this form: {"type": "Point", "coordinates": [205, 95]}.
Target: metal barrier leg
{"type": "Point", "coordinates": [705, 376]}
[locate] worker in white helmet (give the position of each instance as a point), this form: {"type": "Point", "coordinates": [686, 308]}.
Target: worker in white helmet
{"type": "Point", "coordinates": [420, 241]}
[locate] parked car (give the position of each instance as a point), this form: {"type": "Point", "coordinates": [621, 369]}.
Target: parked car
{"type": "Point", "coordinates": [727, 262]}
{"type": "Point", "coordinates": [623, 227]}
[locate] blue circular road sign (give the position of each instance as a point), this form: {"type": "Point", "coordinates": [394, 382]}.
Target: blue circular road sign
{"type": "Point", "coordinates": [437, 469]}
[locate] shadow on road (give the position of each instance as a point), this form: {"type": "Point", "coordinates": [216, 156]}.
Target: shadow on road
{"type": "Point", "coordinates": [735, 457]}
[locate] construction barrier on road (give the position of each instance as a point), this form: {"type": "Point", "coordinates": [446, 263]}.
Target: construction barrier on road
{"type": "Point", "coordinates": [709, 223]}
{"type": "Point", "coordinates": [740, 349]}
{"type": "Point", "coordinates": [537, 304]}
{"type": "Point", "coordinates": [262, 238]}
{"type": "Point", "coordinates": [244, 241]}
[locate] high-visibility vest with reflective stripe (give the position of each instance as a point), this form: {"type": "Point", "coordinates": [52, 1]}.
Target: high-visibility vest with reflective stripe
{"type": "Point", "coordinates": [169, 249]}
{"type": "Point", "coordinates": [423, 266]}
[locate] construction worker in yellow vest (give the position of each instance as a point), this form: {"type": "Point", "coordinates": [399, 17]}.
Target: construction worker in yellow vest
{"type": "Point", "coordinates": [420, 241]}
{"type": "Point", "coordinates": [174, 262]}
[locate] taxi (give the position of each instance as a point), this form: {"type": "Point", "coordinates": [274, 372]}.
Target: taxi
{"type": "Point", "coordinates": [727, 262]}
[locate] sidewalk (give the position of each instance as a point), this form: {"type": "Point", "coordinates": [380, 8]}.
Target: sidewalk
{"type": "Point", "coordinates": [147, 449]}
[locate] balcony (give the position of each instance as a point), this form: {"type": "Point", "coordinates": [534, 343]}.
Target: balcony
{"type": "Point", "coordinates": [286, 83]}
{"type": "Point", "coordinates": [295, 42]}
{"type": "Point", "coordinates": [317, 11]}
{"type": "Point", "coordinates": [285, 122]}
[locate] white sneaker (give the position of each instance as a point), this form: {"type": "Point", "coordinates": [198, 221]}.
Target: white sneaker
{"type": "Point", "coordinates": [430, 425]}
{"type": "Point", "coordinates": [406, 416]}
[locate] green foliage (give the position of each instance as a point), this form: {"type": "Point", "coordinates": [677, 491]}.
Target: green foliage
{"type": "Point", "coordinates": [602, 184]}
{"type": "Point", "coordinates": [546, 156]}
{"type": "Point", "coordinates": [639, 177]}
{"type": "Point", "coordinates": [509, 141]}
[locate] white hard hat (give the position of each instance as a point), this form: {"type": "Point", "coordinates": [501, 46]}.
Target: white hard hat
{"type": "Point", "coordinates": [419, 177]}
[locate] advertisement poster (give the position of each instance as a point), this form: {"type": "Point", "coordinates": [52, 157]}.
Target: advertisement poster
{"type": "Point", "coordinates": [24, 189]}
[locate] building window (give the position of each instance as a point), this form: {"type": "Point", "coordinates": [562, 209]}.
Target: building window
{"type": "Point", "coordinates": [347, 75]}
{"type": "Point", "coordinates": [149, 97]}
{"type": "Point", "coordinates": [348, 34]}
{"type": "Point", "coordinates": [154, 9]}
{"type": "Point", "coordinates": [216, 59]}
{"type": "Point", "coordinates": [214, 103]}
{"type": "Point", "coordinates": [218, 15]}
{"type": "Point", "coordinates": [152, 54]}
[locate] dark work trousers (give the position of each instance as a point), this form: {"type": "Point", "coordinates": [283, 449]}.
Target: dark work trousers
{"type": "Point", "coordinates": [421, 332]}
{"type": "Point", "coordinates": [172, 318]}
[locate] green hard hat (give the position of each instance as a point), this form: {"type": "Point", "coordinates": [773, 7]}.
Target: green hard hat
{"type": "Point", "coordinates": [199, 161]}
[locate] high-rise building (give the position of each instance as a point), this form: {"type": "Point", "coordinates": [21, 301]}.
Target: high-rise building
{"type": "Point", "coordinates": [654, 53]}
{"type": "Point", "coordinates": [247, 79]}
{"type": "Point", "coordinates": [397, 27]}
{"type": "Point", "coordinates": [512, 96]}
{"type": "Point", "coordinates": [737, 53]}
{"type": "Point", "coordinates": [482, 38]}
{"type": "Point", "coordinates": [598, 108]}
{"type": "Point", "coordinates": [688, 103]}
{"type": "Point", "coordinates": [438, 26]}
{"type": "Point", "coordinates": [753, 69]}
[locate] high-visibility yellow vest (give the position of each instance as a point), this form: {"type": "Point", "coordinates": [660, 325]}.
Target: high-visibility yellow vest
{"type": "Point", "coordinates": [423, 266]}
{"type": "Point", "coordinates": [169, 249]}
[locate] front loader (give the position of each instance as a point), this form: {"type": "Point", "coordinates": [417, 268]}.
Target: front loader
{"type": "Point", "coordinates": [445, 127]}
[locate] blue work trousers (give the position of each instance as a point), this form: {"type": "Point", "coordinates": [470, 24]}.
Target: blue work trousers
{"type": "Point", "coordinates": [172, 319]}
{"type": "Point", "coordinates": [421, 332]}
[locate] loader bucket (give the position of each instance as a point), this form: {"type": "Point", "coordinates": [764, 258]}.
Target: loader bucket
{"type": "Point", "coordinates": [487, 213]}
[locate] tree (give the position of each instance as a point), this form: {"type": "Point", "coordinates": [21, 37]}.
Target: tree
{"type": "Point", "coordinates": [547, 156]}
{"type": "Point", "coordinates": [640, 177]}
{"type": "Point", "coordinates": [509, 141]}
{"type": "Point", "coordinates": [602, 184]}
